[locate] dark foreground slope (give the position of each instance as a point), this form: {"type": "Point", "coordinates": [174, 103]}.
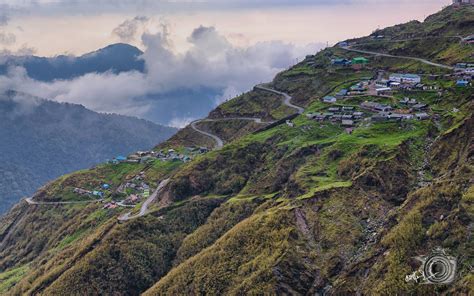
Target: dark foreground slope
{"type": "Point", "coordinates": [300, 210]}
{"type": "Point", "coordinates": [41, 140]}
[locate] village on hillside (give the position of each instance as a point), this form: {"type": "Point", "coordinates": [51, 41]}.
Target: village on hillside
{"type": "Point", "coordinates": [395, 97]}
{"type": "Point", "coordinates": [136, 189]}
{"type": "Point", "coordinates": [164, 155]}
{"type": "Point", "coordinates": [384, 88]}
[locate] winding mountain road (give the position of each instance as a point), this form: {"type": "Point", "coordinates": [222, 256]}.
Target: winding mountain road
{"type": "Point", "coordinates": [145, 205]}
{"type": "Point", "coordinates": [286, 96]}
{"type": "Point", "coordinates": [219, 142]}
{"type": "Point", "coordinates": [459, 37]}
{"type": "Point", "coordinates": [30, 201]}
{"type": "Point", "coordinates": [348, 48]}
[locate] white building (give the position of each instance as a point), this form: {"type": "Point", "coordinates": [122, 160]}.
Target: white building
{"type": "Point", "coordinates": [405, 78]}
{"type": "Point", "coordinates": [469, 71]}
{"type": "Point", "coordinates": [383, 90]}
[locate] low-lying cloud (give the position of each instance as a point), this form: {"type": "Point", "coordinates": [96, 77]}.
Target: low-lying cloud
{"type": "Point", "coordinates": [211, 71]}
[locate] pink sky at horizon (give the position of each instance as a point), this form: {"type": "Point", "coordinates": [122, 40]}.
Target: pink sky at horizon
{"type": "Point", "coordinates": [300, 25]}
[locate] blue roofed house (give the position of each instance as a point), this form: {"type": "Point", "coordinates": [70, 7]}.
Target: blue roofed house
{"type": "Point", "coordinates": [462, 83]}
{"type": "Point", "coordinates": [359, 87]}
{"type": "Point", "coordinates": [98, 193]}
{"type": "Point", "coordinates": [329, 99]}
{"type": "Point", "coordinates": [121, 158]}
{"type": "Point", "coordinates": [340, 62]}
{"type": "Point", "coordinates": [105, 186]}
{"type": "Point", "coordinates": [342, 93]}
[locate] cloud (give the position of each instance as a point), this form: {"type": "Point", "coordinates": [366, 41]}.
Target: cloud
{"type": "Point", "coordinates": [181, 122]}
{"type": "Point", "coordinates": [7, 39]}
{"type": "Point", "coordinates": [177, 87]}
{"type": "Point", "coordinates": [24, 50]}
{"type": "Point", "coordinates": [4, 18]}
{"type": "Point", "coordinates": [24, 104]}
{"type": "Point", "coordinates": [213, 62]}
{"type": "Point", "coordinates": [104, 93]}
{"type": "Point", "coordinates": [128, 30]}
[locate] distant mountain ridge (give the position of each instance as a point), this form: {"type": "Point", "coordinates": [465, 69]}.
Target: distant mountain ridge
{"type": "Point", "coordinates": [42, 140]}
{"type": "Point", "coordinates": [116, 58]}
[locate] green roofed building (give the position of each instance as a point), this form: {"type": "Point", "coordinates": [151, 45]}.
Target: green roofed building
{"type": "Point", "coordinates": [360, 61]}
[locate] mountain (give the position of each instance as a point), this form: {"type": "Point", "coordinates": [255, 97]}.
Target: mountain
{"type": "Point", "coordinates": [42, 140]}
{"type": "Point", "coordinates": [294, 202]}
{"type": "Point", "coordinates": [180, 104]}
{"type": "Point", "coordinates": [115, 58]}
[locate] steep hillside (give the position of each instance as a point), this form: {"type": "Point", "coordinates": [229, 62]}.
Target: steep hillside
{"type": "Point", "coordinates": [42, 140]}
{"type": "Point", "coordinates": [337, 200]}
{"type": "Point", "coordinates": [437, 38]}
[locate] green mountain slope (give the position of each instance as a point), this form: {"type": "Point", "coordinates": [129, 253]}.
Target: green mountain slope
{"type": "Point", "coordinates": [41, 140]}
{"type": "Point", "coordinates": [302, 208]}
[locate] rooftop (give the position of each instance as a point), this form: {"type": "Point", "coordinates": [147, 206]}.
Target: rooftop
{"type": "Point", "coordinates": [405, 75]}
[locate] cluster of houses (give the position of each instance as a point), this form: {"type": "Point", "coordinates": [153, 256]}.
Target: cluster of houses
{"type": "Point", "coordinates": [97, 193]}
{"type": "Point", "coordinates": [412, 82]}
{"type": "Point", "coordinates": [347, 116]}
{"type": "Point", "coordinates": [383, 87]}
{"type": "Point", "coordinates": [136, 190]}
{"type": "Point", "coordinates": [136, 184]}
{"type": "Point", "coordinates": [357, 89]}
{"type": "Point", "coordinates": [356, 63]}
{"type": "Point", "coordinates": [464, 73]}
{"type": "Point", "coordinates": [163, 155]}
{"type": "Point", "coordinates": [129, 202]}
{"type": "Point", "coordinates": [412, 109]}
{"type": "Point", "coordinates": [399, 81]}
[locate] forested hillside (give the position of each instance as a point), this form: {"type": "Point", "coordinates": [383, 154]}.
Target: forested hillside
{"type": "Point", "coordinates": [42, 140]}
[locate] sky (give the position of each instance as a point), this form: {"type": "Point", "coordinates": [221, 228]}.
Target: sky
{"type": "Point", "coordinates": [52, 27]}
{"type": "Point", "coordinates": [222, 46]}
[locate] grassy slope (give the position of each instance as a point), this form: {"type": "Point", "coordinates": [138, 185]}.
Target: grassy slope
{"type": "Point", "coordinates": [256, 103]}
{"type": "Point", "coordinates": [288, 210]}
{"type": "Point", "coordinates": [437, 31]}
